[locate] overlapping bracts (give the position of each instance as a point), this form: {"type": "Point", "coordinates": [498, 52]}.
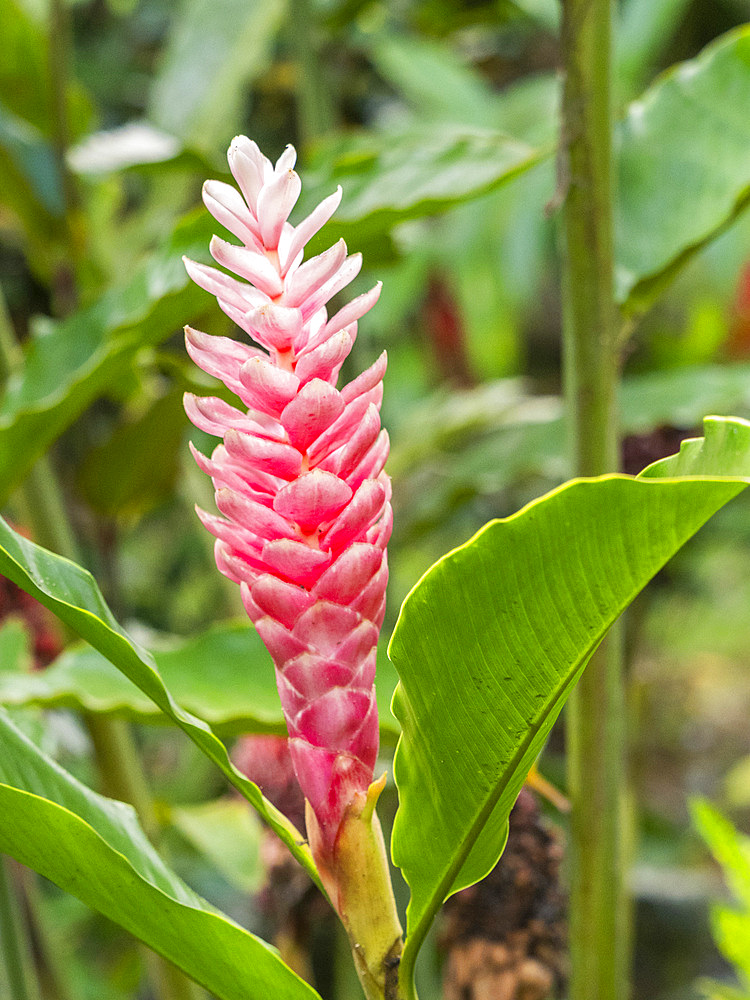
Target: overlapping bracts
{"type": "Point", "coordinates": [299, 476]}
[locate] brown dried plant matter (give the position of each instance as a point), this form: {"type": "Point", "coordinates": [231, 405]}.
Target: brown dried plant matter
{"type": "Point", "coordinates": [505, 938]}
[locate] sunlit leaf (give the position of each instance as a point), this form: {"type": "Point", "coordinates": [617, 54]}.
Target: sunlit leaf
{"type": "Point", "coordinates": [94, 848]}
{"type": "Point", "coordinates": [731, 926]}
{"type": "Point", "coordinates": [492, 639]}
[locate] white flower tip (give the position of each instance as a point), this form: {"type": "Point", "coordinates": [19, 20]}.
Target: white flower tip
{"type": "Point", "coordinates": [287, 159]}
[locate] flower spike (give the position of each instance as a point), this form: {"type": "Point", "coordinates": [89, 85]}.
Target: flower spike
{"type": "Point", "coordinates": [299, 475]}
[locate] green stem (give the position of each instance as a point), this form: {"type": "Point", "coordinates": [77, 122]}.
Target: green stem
{"type": "Point", "coordinates": [596, 750]}
{"type": "Point", "coordinates": [16, 949]}
{"type": "Point", "coordinates": [59, 41]}
{"type": "Point", "coordinates": [120, 772]}
{"type": "Point", "coordinates": [48, 940]}
{"type": "Point", "coordinates": [315, 111]}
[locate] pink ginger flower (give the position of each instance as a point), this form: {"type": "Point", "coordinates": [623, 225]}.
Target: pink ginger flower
{"type": "Point", "coordinates": [299, 476]}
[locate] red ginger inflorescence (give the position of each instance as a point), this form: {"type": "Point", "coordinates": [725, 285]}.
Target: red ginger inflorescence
{"type": "Point", "coordinates": [299, 476]}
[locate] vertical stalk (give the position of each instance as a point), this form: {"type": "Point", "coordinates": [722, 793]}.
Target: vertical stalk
{"type": "Point", "coordinates": [64, 290]}
{"type": "Point", "coordinates": [315, 112]}
{"type": "Point", "coordinates": [14, 944]}
{"type": "Point", "coordinates": [596, 749]}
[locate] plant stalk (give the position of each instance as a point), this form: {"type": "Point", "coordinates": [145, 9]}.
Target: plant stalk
{"type": "Point", "coordinates": [14, 942]}
{"type": "Point", "coordinates": [591, 325]}
{"type": "Point", "coordinates": [315, 110]}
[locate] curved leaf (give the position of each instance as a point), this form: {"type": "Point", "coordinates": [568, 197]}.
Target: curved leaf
{"type": "Point", "coordinates": [389, 178]}
{"type": "Point", "coordinates": [72, 594]}
{"type": "Point", "coordinates": [491, 640]}
{"type": "Point", "coordinates": [224, 676]}
{"type": "Point", "coordinates": [94, 848]}
{"type": "Point", "coordinates": [683, 167]}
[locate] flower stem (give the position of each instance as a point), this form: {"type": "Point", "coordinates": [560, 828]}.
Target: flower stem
{"type": "Point", "coordinates": [356, 876]}
{"type": "Point", "coordinates": [596, 748]}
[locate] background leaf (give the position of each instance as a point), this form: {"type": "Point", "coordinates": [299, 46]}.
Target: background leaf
{"type": "Point", "coordinates": [213, 53]}
{"type": "Point", "coordinates": [389, 178]}
{"type": "Point", "coordinates": [94, 848]}
{"type": "Point", "coordinates": [490, 642]}
{"type": "Point", "coordinates": [683, 167]}
{"type": "Point", "coordinates": [731, 927]}
{"type": "Point", "coordinates": [227, 833]}
{"type": "Point", "coordinates": [70, 363]}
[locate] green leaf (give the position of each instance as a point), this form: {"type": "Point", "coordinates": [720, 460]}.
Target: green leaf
{"type": "Point", "coordinates": [412, 64]}
{"type": "Point", "coordinates": [645, 29]}
{"type": "Point", "coordinates": [729, 847]}
{"type": "Point", "coordinates": [32, 159]}
{"type": "Point", "coordinates": [224, 676]}
{"type": "Point", "coordinates": [687, 133]}
{"type": "Point", "coordinates": [228, 834]}
{"type": "Point", "coordinates": [491, 640]}
{"type": "Point", "coordinates": [94, 848]}
{"type": "Point", "coordinates": [684, 173]}
{"type": "Point", "coordinates": [525, 109]}
{"type": "Point", "coordinates": [70, 363]}
{"type": "Point", "coordinates": [214, 51]}
{"type": "Point", "coordinates": [15, 648]}
{"type": "Point", "coordinates": [391, 177]}
{"type": "Point", "coordinates": [71, 593]}
{"type": "Point", "coordinates": [731, 930]}
{"type": "Point", "coordinates": [137, 467]}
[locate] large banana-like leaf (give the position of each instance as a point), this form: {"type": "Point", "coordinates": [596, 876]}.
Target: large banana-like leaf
{"type": "Point", "coordinates": [492, 639]}
{"type": "Point", "coordinates": [72, 594]}
{"type": "Point", "coordinates": [94, 848]}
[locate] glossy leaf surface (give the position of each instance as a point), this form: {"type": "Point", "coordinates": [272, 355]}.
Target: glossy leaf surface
{"type": "Point", "coordinates": [94, 848]}
{"type": "Point", "coordinates": [492, 639]}
{"type": "Point", "coordinates": [71, 593]}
